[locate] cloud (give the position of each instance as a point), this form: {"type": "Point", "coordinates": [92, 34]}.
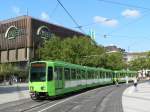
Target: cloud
{"type": "Point", "coordinates": [16, 10]}
{"type": "Point", "coordinates": [130, 13]}
{"type": "Point", "coordinates": [45, 16]}
{"type": "Point", "coordinates": [106, 21]}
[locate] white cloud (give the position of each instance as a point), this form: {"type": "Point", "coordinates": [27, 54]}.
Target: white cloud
{"type": "Point", "coordinates": [45, 16]}
{"type": "Point", "coordinates": [106, 21]}
{"type": "Point", "coordinates": [130, 13]}
{"type": "Point", "coordinates": [16, 10]}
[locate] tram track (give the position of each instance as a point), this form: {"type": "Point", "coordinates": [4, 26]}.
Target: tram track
{"type": "Point", "coordinates": [102, 99]}
{"type": "Point", "coordinates": [75, 103]}
{"type": "Point", "coordinates": [99, 103]}
{"type": "Point", "coordinates": [37, 106]}
{"type": "Point", "coordinates": [24, 107]}
{"type": "Point", "coordinates": [69, 104]}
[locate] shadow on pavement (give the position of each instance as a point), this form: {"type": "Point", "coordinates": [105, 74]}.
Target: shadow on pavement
{"type": "Point", "coordinates": [11, 89]}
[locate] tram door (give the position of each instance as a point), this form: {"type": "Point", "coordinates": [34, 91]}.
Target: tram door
{"type": "Point", "coordinates": [59, 77]}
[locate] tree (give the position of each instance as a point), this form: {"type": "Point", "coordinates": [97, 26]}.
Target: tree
{"type": "Point", "coordinates": [115, 61]}
{"type": "Point", "coordinates": [140, 63]}
{"type": "Point", "coordinates": [3, 71]}
{"type": "Point", "coordinates": [8, 71]}
{"type": "Point", "coordinates": [80, 50]}
{"type": "Point", "coordinates": [74, 50]}
{"type": "Point", "coordinates": [51, 49]}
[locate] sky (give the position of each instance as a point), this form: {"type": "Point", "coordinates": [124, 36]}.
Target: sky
{"type": "Point", "coordinates": [124, 23]}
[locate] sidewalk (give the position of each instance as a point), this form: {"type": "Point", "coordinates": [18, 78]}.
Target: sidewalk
{"type": "Point", "coordinates": [13, 93]}
{"type": "Point", "coordinates": [137, 100]}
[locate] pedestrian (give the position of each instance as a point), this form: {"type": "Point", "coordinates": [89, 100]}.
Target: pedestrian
{"type": "Point", "coordinates": [10, 82]}
{"type": "Point", "coordinates": [135, 83]}
{"type": "Point", "coordinates": [127, 80]}
{"type": "Point", "coordinates": [116, 82]}
{"type": "Point", "coordinates": [20, 80]}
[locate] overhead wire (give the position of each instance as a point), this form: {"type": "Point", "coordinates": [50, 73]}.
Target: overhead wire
{"type": "Point", "coordinates": [78, 26]}
{"type": "Point", "coordinates": [116, 3]}
{"type": "Point", "coordinates": [53, 11]}
{"type": "Point", "coordinates": [129, 23]}
{"type": "Point", "coordinates": [124, 4]}
{"type": "Point", "coordinates": [127, 5]}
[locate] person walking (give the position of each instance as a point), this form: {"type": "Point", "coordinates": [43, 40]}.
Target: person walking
{"type": "Point", "coordinates": [116, 82]}
{"type": "Point", "coordinates": [135, 83]}
{"type": "Point", "coordinates": [127, 80]}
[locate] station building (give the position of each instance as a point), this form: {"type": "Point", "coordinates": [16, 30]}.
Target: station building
{"type": "Point", "coordinates": [21, 36]}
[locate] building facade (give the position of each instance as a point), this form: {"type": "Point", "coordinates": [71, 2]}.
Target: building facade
{"type": "Point", "coordinates": [114, 48]}
{"type": "Point", "coordinates": [21, 36]}
{"type": "Point", "coordinates": [134, 55]}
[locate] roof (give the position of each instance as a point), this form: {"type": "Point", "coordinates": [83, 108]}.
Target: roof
{"type": "Point", "coordinates": [29, 17]}
{"type": "Point", "coordinates": [137, 53]}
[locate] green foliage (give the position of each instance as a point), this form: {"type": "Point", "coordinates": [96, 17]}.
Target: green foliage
{"type": "Point", "coordinates": [140, 63]}
{"type": "Point", "coordinates": [8, 69]}
{"type": "Point", "coordinates": [80, 50]}
{"type": "Point", "coordinates": [115, 61]}
{"type": "Point", "coordinates": [52, 49]}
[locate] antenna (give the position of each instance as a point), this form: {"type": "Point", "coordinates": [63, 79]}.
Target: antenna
{"type": "Point", "coordinates": [27, 11]}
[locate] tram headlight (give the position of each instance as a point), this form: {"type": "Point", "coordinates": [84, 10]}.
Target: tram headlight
{"type": "Point", "coordinates": [31, 88]}
{"type": "Point", "coordinates": [42, 88]}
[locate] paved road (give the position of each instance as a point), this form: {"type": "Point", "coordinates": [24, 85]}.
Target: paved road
{"type": "Point", "coordinates": [104, 99]}
{"type": "Point", "coordinates": [137, 99]}
{"type": "Point", "coordinates": [13, 88]}
{"type": "Point", "coordinates": [14, 92]}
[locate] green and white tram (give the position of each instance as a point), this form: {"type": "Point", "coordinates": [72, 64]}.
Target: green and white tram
{"type": "Point", "coordinates": [53, 78]}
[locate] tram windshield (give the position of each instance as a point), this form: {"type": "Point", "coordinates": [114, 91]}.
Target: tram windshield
{"type": "Point", "coordinates": [38, 72]}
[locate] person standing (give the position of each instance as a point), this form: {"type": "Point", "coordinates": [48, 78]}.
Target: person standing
{"type": "Point", "coordinates": [135, 83]}
{"type": "Point", "coordinates": [116, 82]}
{"type": "Point", "coordinates": [127, 80]}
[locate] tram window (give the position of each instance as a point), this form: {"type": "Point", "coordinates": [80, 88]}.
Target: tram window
{"type": "Point", "coordinates": [67, 73]}
{"type": "Point", "coordinates": [100, 75]}
{"type": "Point", "coordinates": [83, 74]}
{"type": "Point", "coordinates": [50, 73]}
{"type": "Point", "coordinates": [103, 75]}
{"type": "Point", "coordinates": [106, 75]}
{"type": "Point", "coordinates": [89, 74]}
{"type": "Point", "coordinates": [92, 75]}
{"type": "Point", "coordinates": [73, 74]}
{"type": "Point", "coordinates": [78, 74]}
{"type": "Point", "coordinates": [59, 72]}
{"type": "Point", "coordinates": [95, 75]}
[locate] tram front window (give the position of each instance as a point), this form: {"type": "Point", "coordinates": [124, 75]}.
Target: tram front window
{"type": "Point", "coordinates": [38, 73]}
